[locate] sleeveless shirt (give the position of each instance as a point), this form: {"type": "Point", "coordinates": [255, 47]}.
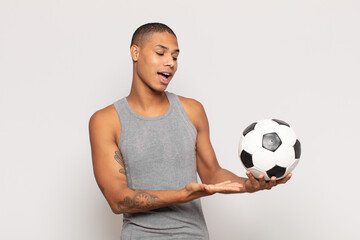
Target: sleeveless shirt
{"type": "Point", "coordinates": [159, 154]}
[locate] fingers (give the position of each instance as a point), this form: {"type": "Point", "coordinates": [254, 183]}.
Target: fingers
{"type": "Point", "coordinates": [285, 179]}
{"type": "Point", "coordinates": [262, 182]}
{"type": "Point", "coordinates": [224, 187]}
{"type": "Point", "coordinates": [223, 183]}
{"type": "Point", "coordinates": [272, 182]}
{"type": "Point", "coordinates": [228, 184]}
{"type": "Point", "coordinates": [252, 179]}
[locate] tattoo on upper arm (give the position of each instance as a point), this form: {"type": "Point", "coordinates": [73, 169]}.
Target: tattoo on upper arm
{"type": "Point", "coordinates": [120, 160]}
{"type": "Point", "coordinates": [141, 200]}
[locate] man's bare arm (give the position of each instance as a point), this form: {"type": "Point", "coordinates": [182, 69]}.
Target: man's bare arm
{"type": "Point", "coordinates": [110, 172]}
{"type": "Point", "coordinates": [207, 165]}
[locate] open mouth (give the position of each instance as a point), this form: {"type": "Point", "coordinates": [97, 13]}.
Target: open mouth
{"type": "Point", "coordinates": [164, 74]}
{"type": "Point", "coordinates": [164, 77]}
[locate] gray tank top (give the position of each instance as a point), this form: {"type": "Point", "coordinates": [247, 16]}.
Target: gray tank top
{"type": "Point", "coordinates": [159, 154]}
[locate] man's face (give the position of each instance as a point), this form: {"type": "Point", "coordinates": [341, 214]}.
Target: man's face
{"type": "Point", "coordinates": [156, 63]}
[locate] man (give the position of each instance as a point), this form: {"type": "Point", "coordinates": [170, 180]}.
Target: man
{"type": "Point", "coordinates": [148, 148]}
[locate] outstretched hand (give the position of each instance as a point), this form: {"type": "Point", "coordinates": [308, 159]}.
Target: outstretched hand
{"type": "Point", "coordinates": [196, 190]}
{"type": "Point", "coordinates": [252, 184]}
{"type": "Point", "coordinates": [224, 187]}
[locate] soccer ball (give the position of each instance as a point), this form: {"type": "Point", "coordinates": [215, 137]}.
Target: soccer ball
{"type": "Point", "coordinates": [269, 147]}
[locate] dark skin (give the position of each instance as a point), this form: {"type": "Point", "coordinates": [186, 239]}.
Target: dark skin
{"type": "Point", "coordinates": [158, 54]}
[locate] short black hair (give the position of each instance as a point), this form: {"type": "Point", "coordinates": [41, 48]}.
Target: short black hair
{"type": "Point", "coordinates": [141, 33]}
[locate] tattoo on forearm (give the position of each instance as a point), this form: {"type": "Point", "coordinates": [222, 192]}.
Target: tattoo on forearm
{"type": "Point", "coordinates": [141, 200]}
{"type": "Point", "coordinates": [120, 160]}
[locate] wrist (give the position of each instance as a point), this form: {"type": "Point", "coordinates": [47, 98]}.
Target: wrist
{"type": "Point", "coordinates": [185, 195]}
{"type": "Point", "coordinates": [193, 191]}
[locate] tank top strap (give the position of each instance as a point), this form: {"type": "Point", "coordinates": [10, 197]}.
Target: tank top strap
{"type": "Point", "coordinates": [178, 107]}
{"type": "Point", "coordinates": [123, 114]}
{"type": "Point", "coordinates": [120, 107]}
{"type": "Point", "coordinates": [172, 99]}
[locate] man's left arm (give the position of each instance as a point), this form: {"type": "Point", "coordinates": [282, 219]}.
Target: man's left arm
{"type": "Point", "coordinates": [208, 167]}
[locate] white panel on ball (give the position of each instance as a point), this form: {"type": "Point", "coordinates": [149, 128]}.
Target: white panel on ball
{"type": "Point", "coordinates": [262, 154]}
{"type": "Point", "coordinates": [285, 156]}
{"type": "Point", "coordinates": [291, 168]}
{"type": "Point", "coordinates": [286, 134]}
{"type": "Point", "coordinates": [252, 141]}
{"type": "Point", "coordinates": [266, 126]}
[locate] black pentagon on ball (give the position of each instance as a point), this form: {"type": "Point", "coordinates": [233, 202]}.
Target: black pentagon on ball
{"type": "Point", "coordinates": [281, 122]}
{"type": "Point", "coordinates": [297, 149]}
{"type": "Point", "coordinates": [246, 159]}
{"type": "Point", "coordinates": [271, 141]}
{"type": "Point", "coordinates": [249, 128]}
{"type": "Point", "coordinates": [276, 171]}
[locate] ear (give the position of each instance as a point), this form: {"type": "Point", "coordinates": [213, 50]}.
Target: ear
{"type": "Point", "coordinates": [134, 50]}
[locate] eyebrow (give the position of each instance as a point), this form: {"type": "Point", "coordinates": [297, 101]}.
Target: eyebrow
{"type": "Point", "coordinates": [162, 46]}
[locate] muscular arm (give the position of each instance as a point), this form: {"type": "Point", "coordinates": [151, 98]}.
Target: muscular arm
{"type": "Point", "coordinates": [110, 172]}
{"type": "Point", "coordinates": [207, 165]}
{"type": "Point", "coordinates": [132, 200]}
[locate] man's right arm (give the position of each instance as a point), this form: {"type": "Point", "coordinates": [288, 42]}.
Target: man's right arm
{"type": "Point", "coordinates": [110, 172]}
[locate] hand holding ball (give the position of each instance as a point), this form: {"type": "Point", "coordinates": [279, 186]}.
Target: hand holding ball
{"type": "Point", "coordinates": [269, 147]}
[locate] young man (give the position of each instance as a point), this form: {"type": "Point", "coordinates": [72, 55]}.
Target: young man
{"type": "Point", "coordinates": [148, 148]}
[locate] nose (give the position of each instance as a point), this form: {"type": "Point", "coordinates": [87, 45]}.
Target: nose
{"type": "Point", "coordinates": [170, 62]}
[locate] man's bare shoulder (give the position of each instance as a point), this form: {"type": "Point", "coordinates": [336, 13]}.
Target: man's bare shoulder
{"type": "Point", "coordinates": [194, 109]}
{"type": "Point", "coordinates": [191, 104]}
{"type": "Point", "coordinates": [105, 118]}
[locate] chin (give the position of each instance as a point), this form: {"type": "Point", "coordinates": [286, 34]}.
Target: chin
{"type": "Point", "coordinates": [159, 89]}
{"type": "Point", "coordinates": [163, 89]}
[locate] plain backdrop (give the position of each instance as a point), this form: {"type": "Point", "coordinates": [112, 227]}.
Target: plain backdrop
{"type": "Point", "coordinates": [298, 61]}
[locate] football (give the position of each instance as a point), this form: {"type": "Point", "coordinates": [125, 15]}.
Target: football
{"type": "Point", "coordinates": [269, 147]}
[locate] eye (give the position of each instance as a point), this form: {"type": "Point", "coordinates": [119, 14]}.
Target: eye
{"type": "Point", "coordinates": [161, 54]}
{"type": "Point", "coordinates": [175, 59]}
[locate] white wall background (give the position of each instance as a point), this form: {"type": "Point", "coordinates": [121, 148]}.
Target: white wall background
{"type": "Point", "coordinates": [298, 61]}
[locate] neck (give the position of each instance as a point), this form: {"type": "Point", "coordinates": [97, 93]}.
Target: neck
{"type": "Point", "coordinates": [146, 101]}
